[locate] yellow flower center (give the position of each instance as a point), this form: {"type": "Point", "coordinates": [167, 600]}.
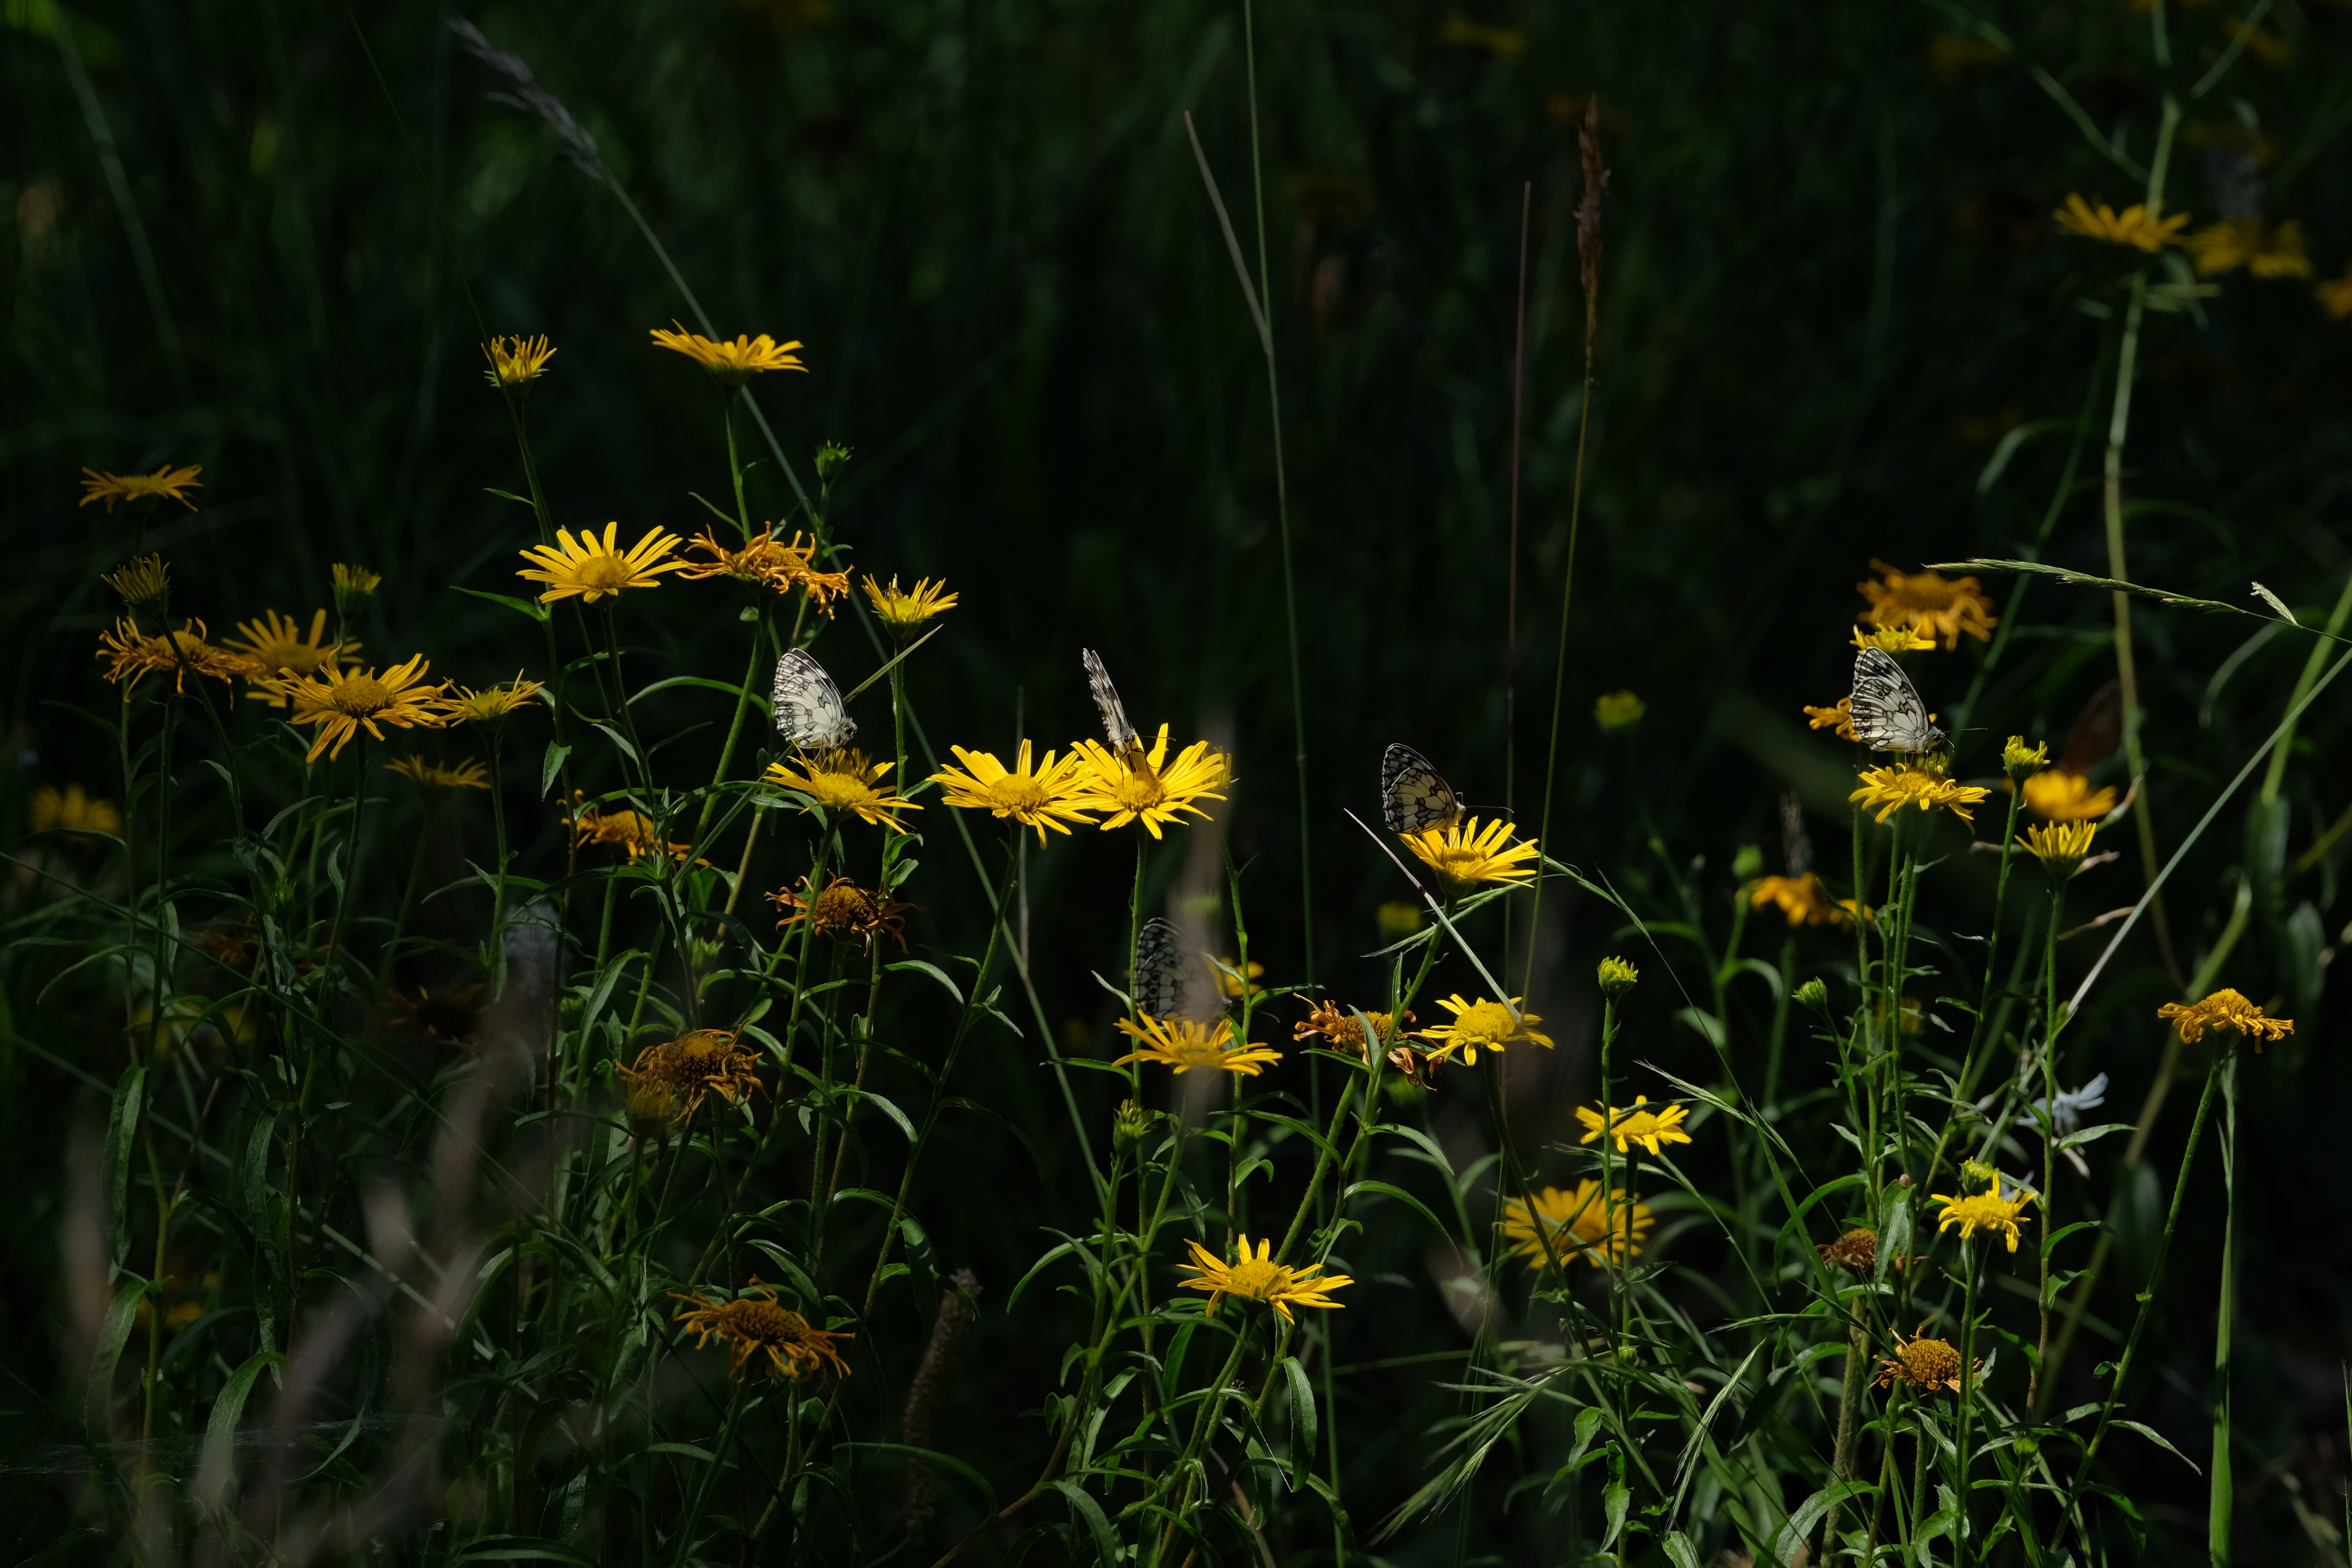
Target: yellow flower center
{"type": "Point", "coordinates": [1189, 1049]}
{"type": "Point", "coordinates": [1486, 1022]}
{"type": "Point", "coordinates": [604, 571]}
{"type": "Point", "coordinates": [838, 791]}
{"type": "Point", "coordinates": [1140, 790]}
{"type": "Point", "coordinates": [1258, 1278]}
{"type": "Point", "coordinates": [362, 697]}
{"type": "Point", "coordinates": [843, 904]}
{"type": "Point", "coordinates": [1015, 794]}
{"type": "Point", "coordinates": [1929, 1361]}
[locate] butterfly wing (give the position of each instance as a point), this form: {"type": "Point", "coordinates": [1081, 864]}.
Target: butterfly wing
{"type": "Point", "coordinates": [1169, 981]}
{"type": "Point", "coordinates": [1122, 734]}
{"type": "Point", "coordinates": [1413, 797]}
{"type": "Point", "coordinates": [808, 708]}
{"type": "Point", "coordinates": [1887, 714]}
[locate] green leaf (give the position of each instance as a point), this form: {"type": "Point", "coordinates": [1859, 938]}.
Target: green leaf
{"type": "Point", "coordinates": [2076, 1139]}
{"type": "Point", "coordinates": [121, 1131]}
{"type": "Point", "coordinates": [2153, 1435]}
{"type": "Point", "coordinates": [1894, 1231]}
{"type": "Point", "coordinates": [1302, 1421]}
{"type": "Point", "coordinates": [1084, 1508]}
{"type": "Point", "coordinates": [1615, 1498]}
{"type": "Point", "coordinates": [1679, 1550]}
{"type": "Point", "coordinates": [1791, 1539]}
{"type": "Point", "coordinates": [553, 766]}
{"type": "Point", "coordinates": [933, 970]}
{"type": "Point", "coordinates": [531, 607]}
{"type": "Point", "coordinates": [1385, 1190]}
{"type": "Point", "coordinates": [217, 1469]}
{"type": "Point", "coordinates": [98, 1404]}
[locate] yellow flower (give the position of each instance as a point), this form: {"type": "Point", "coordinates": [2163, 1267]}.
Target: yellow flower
{"type": "Point", "coordinates": [1136, 787]}
{"type": "Point", "coordinates": [1891, 789]}
{"type": "Point", "coordinates": [844, 781]}
{"type": "Point", "coordinates": [516, 362]}
{"type": "Point", "coordinates": [771, 563]}
{"type": "Point", "coordinates": [1341, 1029]}
{"type": "Point", "coordinates": [2335, 296]}
{"type": "Point", "coordinates": [143, 583]}
{"type": "Point", "coordinates": [73, 810]}
{"type": "Point", "coordinates": [755, 1325]}
{"type": "Point", "coordinates": [671, 1080]}
{"type": "Point", "coordinates": [2136, 226]}
{"type": "Point", "coordinates": [902, 611]}
{"type": "Point", "coordinates": [1053, 794]}
{"type": "Point", "coordinates": [633, 831]}
{"type": "Point", "coordinates": [1802, 899]}
{"type": "Point", "coordinates": [2244, 242]}
{"type": "Point", "coordinates": [1900, 638]}
{"type": "Point", "coordinates": [1500, 42]}
{"type": "Point", "coordinates": [437, 781]}
{"type": "Point", "coordinates": [1575, 1227]}
{"type": "Point", "coordinates": [1230, 989]}
{"type": "Point", "coordinates": [131, 653]}
{"type": "Point", "coordinates": [277, 645]}
{"type": "Point", "coordinates": [1183, 1044]}
{"type": "Point", "coordinates": [1986, 1211]}
{"type": "Point", "coordinates": [1483, 1026]}
{"type": "Point", "coordinates": [2059, 846]}
{"type": "Point", "coordinates": [166, 480]}
{"type": "Point", "coordinates": [2018, 759]}
{"type": "Point", "coordinates": [1465, 855]}
{"type": "Point", "coordinates": [1840, 717]}
{"type": "Point", "coordinates": [2225, 1010]}
{"type": "Point", "coordinates": [1927, 602]}
{"type": "Point", "coordinates": [1260, 1279]}
{"type": "Point", "coordinates": [1647, 1128]}
{"type": "Point", "coordinates": [593, 568]}
{"type": "Point", "coordinates": [1618, 711]}
{"type": "Point", "coordinates": [2064, 797]}
{"type": "Point", "coordinates": [732, 364]}
{"type": "Point", "coordinates": [843, 910]}
{"type": "Point", "coordinates": [1616, 977]}
{"type": "Point", "coordinates": [1398, 920]}
{"type": "Point", "coordinates": [343, 703]}
{"type": "Point", "coordinates": [354, 587]}
{"type": "Point", "coordinates": [1924, 1366]}
{"type": "Point", "coordinates": [491, 704]}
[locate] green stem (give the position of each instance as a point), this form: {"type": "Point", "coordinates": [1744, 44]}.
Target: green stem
{"type": "Point", "coordinates": [2221, 1489]}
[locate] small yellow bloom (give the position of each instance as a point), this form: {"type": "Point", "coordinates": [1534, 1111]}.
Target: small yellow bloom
{"type": "Point", "coordinates": [2018, 759]}
{"type": "Point", "coordinates": [1052, 795]}
{"type": "Point", "coordinates": [732, 364]}
{"type": "Point", "coordinates": [1466, 854]}
{"type": "Point", "coordinates": [2061, 847]}
{"type": "Point", "coordinates": [1804, 900]}
{"type": "Point", "coordinates": [1924, 1365]}
{"type": "Point", "coordinates": [166, 480]}
{"type": "Point", "coordinates": [2063, 797]}
{"type": "Point", "coordinates": [771, 563]}
{"type": "Point", "coordinates": [1891, 789]}
{"type": "Point", "coordinates": [1986, 1211]}
{"type": "Point", "coordinates": [1575, 1227]}
{"type": "Point", "coordinates": [1260, 1279]}
{"type": "Point", "coordinates": [435, 780]}
{"type": "Point", "coordinates": [277, 645]}
{"type": "Point", "coordinates": [1184, 1044]}
{"type": "Point", "coordinates": [354, 587]}
{"type": "Point", "coordinates": [1840, 717]}
{"type": "Point", "coordinates": [2136, 226]}
{"type": "Point", "coordinates": [1901, 639]}
{"type": "Point", "coordinates": [754, 1325]}
{"type": "Point", "coordinates": [131, 654]}
{"type": "Point", "coordinates": [2264, 251]}
{"type": "Point", "coordinates": [843, 780]}
{"type": "Point", "coordinates": [1925, 602]}
{"type": "Point", "coordinates": [516, 362]}
{"type": "Point", "coordinates": [1618, 711]}
{"type": "Point", "coordinates": [1136, 787]}
{"type": "Point", "coordinates": [593, 568]}
{"type": "Point", "coordinates": [1398, 920]}
{"type": "Point", "coordinates": [1504, 43]}
{"type": "Point", "coordinates": [1616, 977]}
{"type": "Point", "coordinates": [73, 810]}
{"type": "Point", "coordinates": [343, 703]}
{"type": "Point", "coordinates": [492, 704]}
{"type": "Point", "coordinates": [143, 583]}
{"type": "Point", "coordinates": [1483, 1026]}
{"type": "Point", "coordinates": [2335, 296]}
{"type": "Point", "coordinates": [639, 836]}
{"type": "Point", "coordinates": [2225, 1010]}
{"type": "Point", "coordinates": [1647, 1128]}
{"type": "Point", "coordinates": [902, 611]}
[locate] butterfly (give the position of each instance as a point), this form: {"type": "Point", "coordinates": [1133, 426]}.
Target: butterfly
{"type": "Point", "coordinates": [808, 708]}
{"type": "Point", "coordinates": [1414, 798]}
{"type": "Point", "coordinates": [1170, 981]}
{"type": "Point", "coordinates": [1124, 741]}
{"type": "Point", "coordinates": [1887, 714]}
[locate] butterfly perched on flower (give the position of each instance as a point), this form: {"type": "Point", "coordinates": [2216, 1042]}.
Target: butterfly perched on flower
{"type": "Point", "coordinates": [1170, 978]}
{"type": "Point", "coordinates": [808, 708]}
{"type": "Point", "coordinates": [1887, 714]}
{"type": "Point", "coordinates": [1413, 797]}
{"type": "Point", "coordinates": [1124, 741]}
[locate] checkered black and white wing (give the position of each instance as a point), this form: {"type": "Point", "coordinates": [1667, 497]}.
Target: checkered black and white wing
{"type": "Point", "coordinates": [1170, 981]}
{"type": "Point", "coordinates": [1114, 724]}
{"type": "Point", "coordinates": [1413, 797]}
{"type": "Point", "coordinates": [1887, 714]}
{"type": "Point", "coordinates": [808, 710]}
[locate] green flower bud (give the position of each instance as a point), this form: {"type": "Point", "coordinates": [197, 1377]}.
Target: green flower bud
{"type": "Point", "coordinates": [1617, 977]}
{"type": "Point", "coordinates": [1812, 994]}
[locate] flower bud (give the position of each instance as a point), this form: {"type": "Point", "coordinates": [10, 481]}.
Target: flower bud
{"type": "Point", "coordinates": [1812, 994]}
{"type": "Point", "coordinates": [145, 584]}
{"type": "Point", "coordinates": [354, 587]}
{"type": "Point", "coordinates": [1129, 1127]}
{"type": "Point", "coordinates": [1618, 711]}
{"type": "Point", "coordinates": [831, 458]}
{"type": "Point", "coordinates": [1617, 977]}
{"type": "Point", "coordinates": [1749, 864]}
{"type": "Point", "coordinates": [2018, 759]}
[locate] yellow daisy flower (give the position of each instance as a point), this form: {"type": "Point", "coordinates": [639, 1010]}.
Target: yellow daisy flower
{"type": "Point", "coordinates": [2061, 847]}
{"type": "Point", "coordinates": [1466, 854]}
{"type": "Point", "coordinates": [491, 704]}
{"type": "Point", "coordinates": [752, 1325]}
{"type": "Point", "coordinates": [1260, 1279]}
{"type": "Point", "coordinates": [1228, 988]}
{"type": "Point", "coordinates": [131, 654]}
{"type": "Point", "coordinates": [732, 364]}
{"type": "Point", "coordinates": [770, 562]}
{"type": "Point", "coordinates": [1647, 1128]}
{"type": "Point", "coordinates": [902, 611]}
{"type": "Point", "coordinates": [1803, 900]}
{"type": "Point", "coordinates": [1183, 1044]}
{"type": "Point", "coordinates": [1926, 603]}
{"type": "Point", "coordinates": [73, 810]}
{"type": "Point", "coordinates": [2224, 1009]}
{"type": "Point", "coordinates": [1576, 1227]}
{"type": "Point", "coordinates": [1924, 1366]}
{"type": "Point", "coordinates": [1840, 717]}
{"type": "Point", "coordinates": [516, 362]}
{"type": "Point", "coordinates": [343, 703]}
{"type": "Point", "coordinates": [1987, 1211]}
{"type": "Point", "coordinates": [2249, 243]}
{"type": "Point", "coordinates": [593, 568]}
{"type": "Point", "coordinates": [435, 781]}
{"type": "Point", "coordinates": [166, 480]}
{"type": "Point", "coordinates": [843, 780]}
{"type": "Point", "coordinates": [1136, 787]}
{"type": "Point", "coordinates": [2137, 227]}
{"type": "Point", "coordinates": [143, 583]}
{"type": "Point", "coordinates": [634, 832]}
{"type": "Point", "coordinates": [277, 646]}
{"type": "Point", "coordinates": [1891, 789]}
{"type": "Point", "coordinates": [1483, 1026]}
{"type": "Point", "coordinates": [1053, 794]}
{"type": "Point", "coordinates": [1891, 640]}
{"type": "Point", "coordinates": [2063, 797]}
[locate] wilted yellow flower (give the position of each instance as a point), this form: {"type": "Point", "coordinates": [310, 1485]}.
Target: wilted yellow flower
{"type": "Point", "coordinates": [1338, 1028]}
{"type": "Point", "coordinates": [672, 1079]}
{"type": "Point", "coordinates": [1891, 789]}
{"type": "Point", "coordinates": [1184, 1044]}
{"type": "Point", "coordinates": [1618, 711]}
{"type": "Point", "coordinates": [277, 645]}
{"type": "Point", "coordinates": [1483, 1026]}
{"type": "Point", "coordinates": [1135, 786]}
{"type": "Point", "coordinates": [1840, 717]}
{"type": "Point", "coordinates": [732, 364]}
{"type": "Point", "coordinates": [2225, 1010]}
{"type": "Point", "coordinates": [1803, 900]}
{"type": "Point", "coordinates": [1052, 795]}
{"type": "Point", "coordinates": [131, 654]}
{"type": "Point", "coordinates": [1924, 1366]}
{"type": "Point", "coordinates": [1648, 1127]}
{"type": "Point", "coordinates": [342, 703]}
{"type": "Point", "coordinates": [166, 480]}
{"type": "Point", "coordinates": [843, 910]}
{"type": "Point", "coordinates": [73, 810]}
{"type": "Point", "coordinates": [1260, 1279]}
{"type": "Point", "coordinates": [516, 362]}
{"type": "Point", "coordinates": [2064, 797]}
{"type": "Point", "coordinates": [143, 583]}
{"type": "Point", "coordinates": [2136, 226]}
{"type": "Point", "coordinates": [2264, 251]}
{"type": "Point", "coordinates": [1927, 602]}
{"type": "Point", "coordinates": [1987, 1211]}
{"type": "Point", "coordinates": [593, 568]}
{"type": "Point", "coordinates": [843, 780]}
{"type": "Point", "coordinates": [771, 563]}
{"type": "Point", "coordinates": [753, 1324]}
{"type": "Point", "coordinates": [902, 611]}
{"type": "Point", "coordinates": [1466, 854]}
{"type": "Point", "coordinates": [1576, 1227]}
{"type": "Point", "coordinates": [631, 831]}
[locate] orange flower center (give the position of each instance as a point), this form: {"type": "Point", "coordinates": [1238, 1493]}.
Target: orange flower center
{"type": "Point", "coordinates": [361, 697]}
